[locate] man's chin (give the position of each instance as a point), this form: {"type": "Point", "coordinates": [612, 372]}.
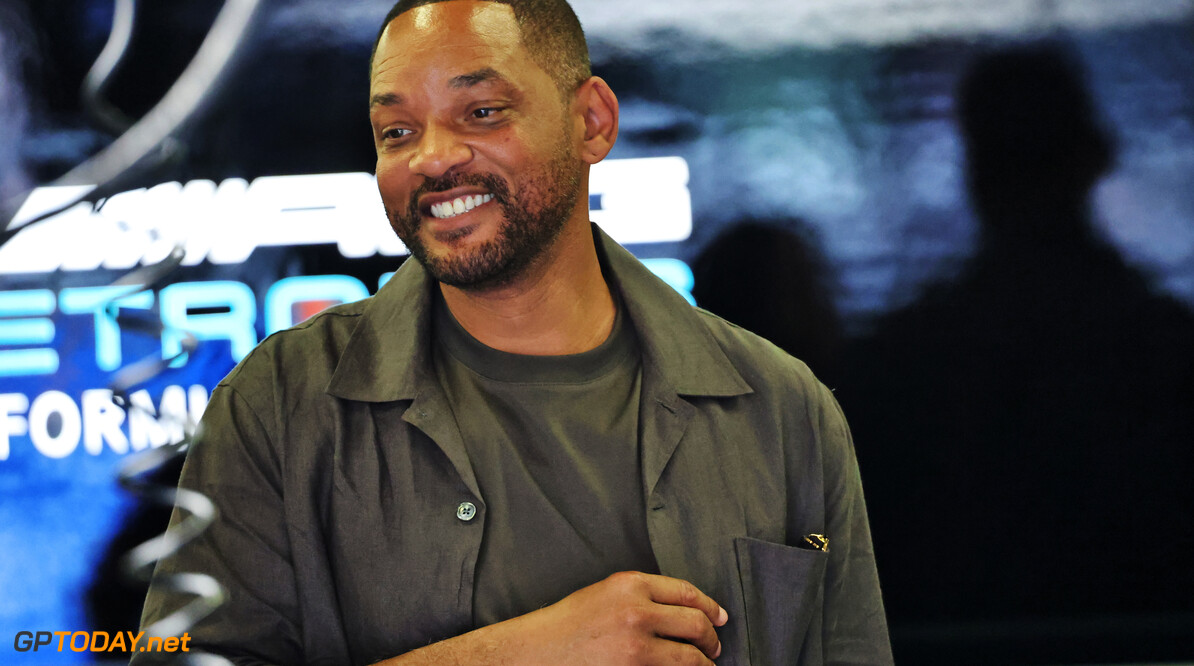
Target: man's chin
{"type": "Point", "coordinates": [455, 236]}
{"type": "Point", "coordinates": [465, 263]}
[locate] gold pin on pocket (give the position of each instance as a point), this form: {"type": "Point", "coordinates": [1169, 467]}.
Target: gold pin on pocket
{"type": "Point", "coordinates": [817, 542]}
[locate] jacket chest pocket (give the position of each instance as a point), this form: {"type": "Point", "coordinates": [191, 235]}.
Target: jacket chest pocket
{"type": "Point", "coordinates": [782, 589]}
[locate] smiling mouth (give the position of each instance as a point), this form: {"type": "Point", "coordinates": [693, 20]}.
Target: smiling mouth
{"type": "Point", "coordinates": [458, 206]}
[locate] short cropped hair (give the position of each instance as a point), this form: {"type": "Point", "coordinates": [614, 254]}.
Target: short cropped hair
{"type": "Point", "coordinates": [550, 32]}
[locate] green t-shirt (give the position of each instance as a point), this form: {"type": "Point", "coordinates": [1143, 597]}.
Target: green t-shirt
{"type": "Point", "coordinates": [554, 444]}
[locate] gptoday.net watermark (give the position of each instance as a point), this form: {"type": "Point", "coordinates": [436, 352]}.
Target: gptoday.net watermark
{"type": "Point", "coordinates": [98, 641]}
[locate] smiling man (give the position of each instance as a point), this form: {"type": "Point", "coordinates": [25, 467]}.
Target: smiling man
{"type": "Point", "coordinates": [525, 448]}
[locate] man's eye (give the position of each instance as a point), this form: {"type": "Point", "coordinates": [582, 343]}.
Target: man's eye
{"type": "Point", "coordinates": [395, 133]}
{"type": "Point", "coordinates": [486, 112]}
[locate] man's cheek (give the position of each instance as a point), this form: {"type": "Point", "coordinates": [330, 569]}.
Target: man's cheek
{"type": "Point", "coordinates": [392, 182]}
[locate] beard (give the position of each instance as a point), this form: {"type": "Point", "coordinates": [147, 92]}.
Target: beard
{"type": "Point", "coordinates": [532, 219]}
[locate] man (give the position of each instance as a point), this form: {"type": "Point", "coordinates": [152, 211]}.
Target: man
{"type": "Point", "coordinates": [525, 448]}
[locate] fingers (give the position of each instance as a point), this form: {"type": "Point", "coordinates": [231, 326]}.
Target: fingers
{"type": "Point", "coordinates": [689, 625]}
{"type": "Point", "coordinates": [677, 592]}
{"type": "Point", "coordinates": [677, 626]}
{"type": "Point", "coordinates": [671, 652]}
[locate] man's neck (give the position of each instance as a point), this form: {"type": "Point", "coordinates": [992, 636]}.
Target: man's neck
{"type": "Point", "coordinates": [560, 306]}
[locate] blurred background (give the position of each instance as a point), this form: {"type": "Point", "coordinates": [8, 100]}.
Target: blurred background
{"type": "Point", "coordinates": [973, 220]}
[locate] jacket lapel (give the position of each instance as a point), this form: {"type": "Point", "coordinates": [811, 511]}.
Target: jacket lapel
{"type": "Point", "coordinates": [680, 357]}
{"type": "Point", "coordinates": [431, 413]}
{"type": "Point", "coordinates": [663, 419]}
{"type": "Point", "coordinates": [388, 358]}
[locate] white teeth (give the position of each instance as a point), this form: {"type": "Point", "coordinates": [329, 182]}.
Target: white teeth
{"type": "Point", "coordinates": [447, 209]}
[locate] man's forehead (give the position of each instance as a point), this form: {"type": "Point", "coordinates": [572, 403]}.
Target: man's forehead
{"type": "Point", "coordinates": [455, 24]}
{"type": "Point", "coordinates": [480, 12]}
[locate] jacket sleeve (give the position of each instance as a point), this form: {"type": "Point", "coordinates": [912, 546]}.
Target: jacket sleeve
{"type": "Point", "coordinates": [234, 463]}
{"type": "Point", "coordinates": [855, 626]}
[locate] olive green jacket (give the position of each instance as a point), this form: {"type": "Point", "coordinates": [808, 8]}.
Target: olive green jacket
{"type": "Point", "coordinates": [335, 461]}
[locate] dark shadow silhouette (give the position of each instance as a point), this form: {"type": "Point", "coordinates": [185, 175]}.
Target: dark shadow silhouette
{"type": "Point", "coordinates": [1025, 432]}
{"type": "Point", "coordinates": [773, 282]}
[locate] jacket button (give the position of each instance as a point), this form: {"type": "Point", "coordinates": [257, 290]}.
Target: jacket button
{"type": "Point", "coordinates": [466, 511]}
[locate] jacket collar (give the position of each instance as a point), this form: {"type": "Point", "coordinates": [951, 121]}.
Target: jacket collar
{"type": "Point", "coordinates": [388, 357]}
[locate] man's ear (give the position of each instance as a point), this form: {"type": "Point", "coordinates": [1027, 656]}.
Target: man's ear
{"type": "Point", "coordinates": [599, 109]}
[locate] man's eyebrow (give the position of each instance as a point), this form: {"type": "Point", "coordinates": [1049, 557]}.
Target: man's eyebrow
{"type": "Point", "coordinates": [385, 99]}
{"type": "Point", "coordinates": [483, 75]}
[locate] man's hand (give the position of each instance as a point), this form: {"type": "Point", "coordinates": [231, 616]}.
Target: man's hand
{"type": "Point", "coordinates": [630, 619]}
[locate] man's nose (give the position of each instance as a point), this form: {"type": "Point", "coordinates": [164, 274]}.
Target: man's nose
{"type": "Point", "coordinates": [438, 151]}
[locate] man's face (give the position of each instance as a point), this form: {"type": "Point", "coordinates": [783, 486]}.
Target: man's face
{"type": "Point", "coordinates": [476, 161]}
